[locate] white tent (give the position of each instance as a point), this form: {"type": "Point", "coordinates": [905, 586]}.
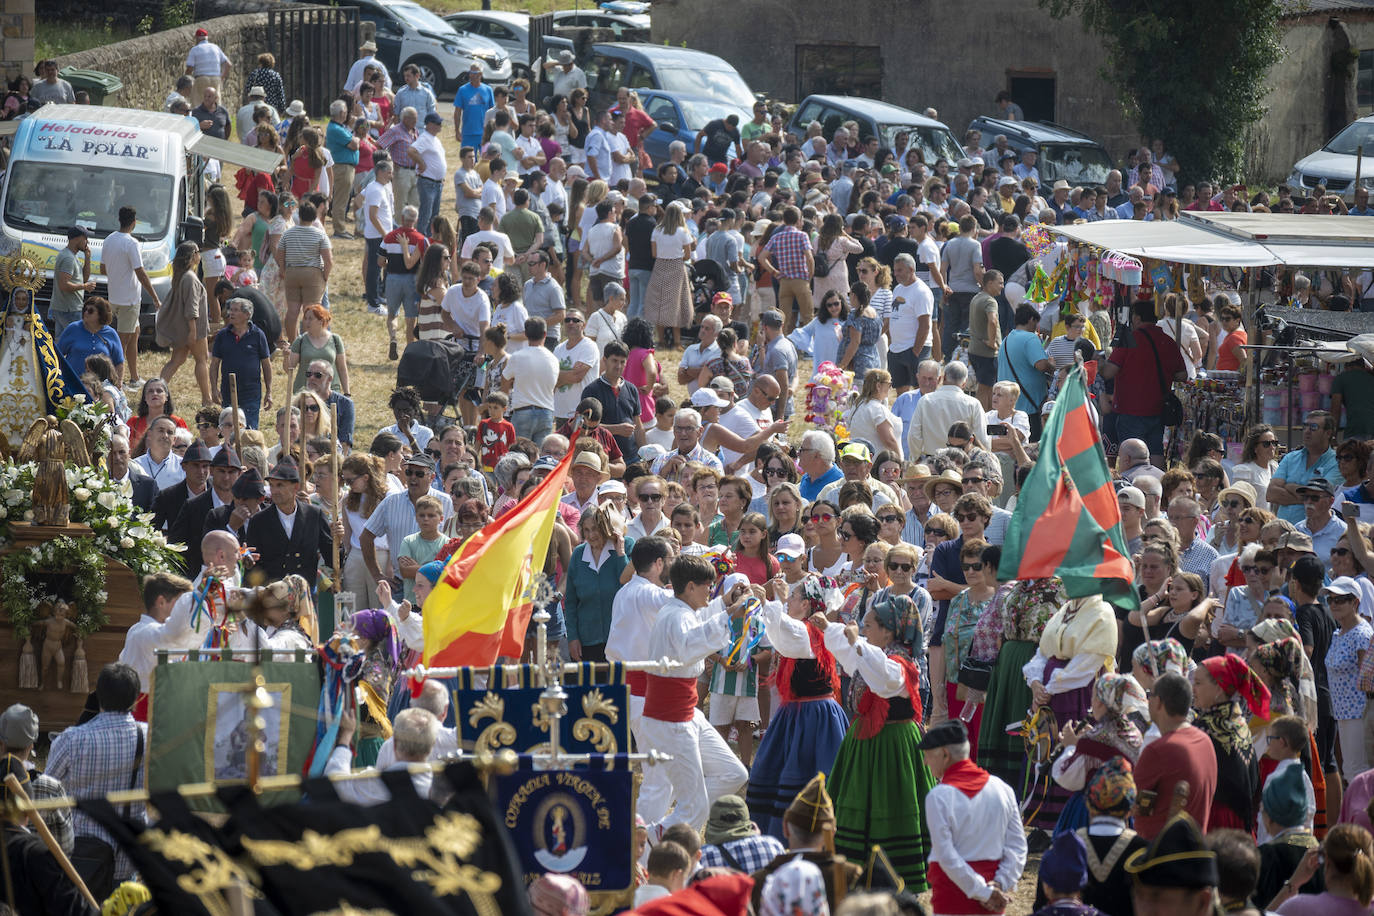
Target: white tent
{"type": "Point", "coordinates": [1236, 239]}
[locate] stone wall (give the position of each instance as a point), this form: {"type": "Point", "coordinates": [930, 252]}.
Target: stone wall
{"type": "Point", "coordinates": [150, 65]}
{"type": "Point", "coordinates": [17, 32]}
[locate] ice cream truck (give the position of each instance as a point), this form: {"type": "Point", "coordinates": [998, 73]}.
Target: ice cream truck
{"type": "Point", "coordinates": [77, 165]}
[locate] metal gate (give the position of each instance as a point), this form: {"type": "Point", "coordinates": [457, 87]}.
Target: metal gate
{"type": "Point", "coordinates": [314, 47]}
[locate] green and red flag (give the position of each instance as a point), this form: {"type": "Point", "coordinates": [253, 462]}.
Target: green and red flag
{"type": "Point", "coordinates": [1067, 522]}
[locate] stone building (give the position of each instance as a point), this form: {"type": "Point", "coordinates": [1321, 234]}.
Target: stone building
{"type": "Point", "coordinates": [955, 58]}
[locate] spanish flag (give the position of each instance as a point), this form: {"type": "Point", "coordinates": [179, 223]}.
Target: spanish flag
{"type": "Point", "coordinates": [479, 608]}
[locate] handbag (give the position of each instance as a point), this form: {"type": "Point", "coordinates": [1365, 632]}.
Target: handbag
{"type": "Point", "coordinates": [975, 674]}
{"type": "Point", "coordinates": [1171, 408]}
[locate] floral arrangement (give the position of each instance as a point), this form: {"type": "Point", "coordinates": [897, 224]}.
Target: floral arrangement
{"type": "Point", "coordinates": [828, 395]}
{"type": "Point", "coordinates": [96, 421]}
{"type": "Point", "coordinates": [119, 531]}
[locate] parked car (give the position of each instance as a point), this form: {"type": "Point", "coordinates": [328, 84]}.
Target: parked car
{"type": "Point", "coordinates": [620, 23]}
{"type": "Point", "coordinates": [1334, 164]}
{"type": "Point", "coordinates": [407, 33]}
{"type": "Point", "coordinates": [680, 117]}
{"type": "Point", "coordinates": [1063, 153]}
{"type": "Point", "coordinates": [610, 65]}
{"type": "Point", "coordinates": [875, 119]}
{"type": "Point", "coordinates": [510, 32]}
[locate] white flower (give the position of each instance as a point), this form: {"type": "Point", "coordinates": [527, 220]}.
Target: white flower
{"type": "Point", "coordinates": [106, 499]}
{"type": "Point", "coordinates": [82, 494]}
{"type": "Point", "coordinates": [13, 497]}
{"type": "Point", "coordinates": [126, 543]}
{"type": "Point", "coordinates": [73, 476]}
{"type": "Point", "coordinates": [139, 532]}
{"type": "Point", "coordinates": [28, 515]}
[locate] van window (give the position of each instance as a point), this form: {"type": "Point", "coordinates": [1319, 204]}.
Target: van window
{"type": "Point", "coordinates": [53, 197]}
{"type": "Point", "coordinates": [933, 142]}
{"type": "Point", "coordinates": [642, 79]}
{"type": "Point", "coordinates": [719, 84]}
{"type": "Point", "coordinates": [1074, 164]}
{"type": "Point", "coordinates": [605, 74]}
{"type": "Point", "coordinates": [811, 111]}
{"type": "Point", "coordinates": [660, 109]}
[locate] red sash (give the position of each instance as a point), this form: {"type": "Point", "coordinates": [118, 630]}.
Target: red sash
{"type": "Point", "coordinates": [638, 681]}
{"type": "Point", "coordinates": [670, 699]}
{"type": "Point", "coordinates": [141, 708]}
{"type": "Point", "coordinates": [947, 898]}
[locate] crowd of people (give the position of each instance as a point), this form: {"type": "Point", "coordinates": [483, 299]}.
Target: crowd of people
{"type": "Point", "coordinates": [828, 592]}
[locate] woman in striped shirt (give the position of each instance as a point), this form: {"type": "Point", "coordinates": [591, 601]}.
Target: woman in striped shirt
{"type": "Point", "coordinates": [431, 281]}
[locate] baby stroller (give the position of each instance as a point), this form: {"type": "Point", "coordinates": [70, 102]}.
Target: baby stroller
{"type": "Point", "coordinates": [707, 278]}
{"type": "Point", "coordinates": [439, 369]}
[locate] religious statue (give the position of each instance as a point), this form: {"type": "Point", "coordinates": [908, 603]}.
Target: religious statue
{"type": "Point", "coordinates": [33, 375]}
{"type": "Point", "coordinates": [54, 629]}
{"type": "Point", "coordinates": [52, 444]}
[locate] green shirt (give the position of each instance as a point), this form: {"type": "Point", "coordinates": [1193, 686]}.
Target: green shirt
{"type": "Point", "coordinates": [1356, 388]}
{"type": "Point", "coordinates": [751, 130]}
{"type": "Point", "coordinates": [980, 310]}
{"type": "Point", "coordinates": [421, 551]}
{"type": "Point", "coordinates": [522, 225]}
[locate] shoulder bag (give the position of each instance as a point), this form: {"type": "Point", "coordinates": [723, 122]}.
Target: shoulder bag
{"type": "Point", "coordinates": [1171, 408]}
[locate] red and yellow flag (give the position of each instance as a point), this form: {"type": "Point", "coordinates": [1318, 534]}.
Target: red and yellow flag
{"type": "Point", "coordinates": [479, 608]}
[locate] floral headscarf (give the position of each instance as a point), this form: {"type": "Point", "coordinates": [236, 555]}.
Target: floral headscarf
{"type": "Point", "coordinates": [1286, 662]}
{"type": "Point", "coordinates": [795, 889]}
{"type": "Point", "coordinates": [900, 614]}
{"type": "Point", "coordinates": [1168, 654]}
{"type": "Point", "coordinates": [1111, 789]}
{"type": "Point", "coordinates": [822, 593]}
{"type": "Point", "coordinates": [1272, 629]}
{"type": "Point", "coordinates": [1121, 694]}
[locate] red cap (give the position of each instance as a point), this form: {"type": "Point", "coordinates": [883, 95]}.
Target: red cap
{"type": "Point", "coordinates": [720, 168]}
{"type": "Point", "coordinates": [201, 33]}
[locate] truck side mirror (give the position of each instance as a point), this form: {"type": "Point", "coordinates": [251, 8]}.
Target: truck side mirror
{"type": "Point", "coordinates": [192, 229]}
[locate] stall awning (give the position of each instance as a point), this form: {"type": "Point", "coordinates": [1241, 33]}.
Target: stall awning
{"type": "Point", "coordinates": [1237, 239]}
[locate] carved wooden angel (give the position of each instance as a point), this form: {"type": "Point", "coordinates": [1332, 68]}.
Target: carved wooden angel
{"type": "Point", "coordinates": [52, 444]}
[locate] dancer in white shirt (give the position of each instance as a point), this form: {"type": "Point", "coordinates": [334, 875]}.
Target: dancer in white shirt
{"type": "Point", "coordinates": [633, 613]}
{"type": "Point", "coordinates": [690, 627]}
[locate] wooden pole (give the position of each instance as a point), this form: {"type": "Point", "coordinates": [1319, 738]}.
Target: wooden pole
{"type": "Point", "coordinates": [1359, 163]}
{"type": "Point", "coordinates": [234, 403]}
{"type": "Point", "coordinates": [333, 463]}
{"type": "Point", "coordinates": [15, 787]}
{"type": "Point", "coordinates": [286, 401]}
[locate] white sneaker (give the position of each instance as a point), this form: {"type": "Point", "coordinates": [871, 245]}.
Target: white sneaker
{"type": "Point", "coordinates": [376, 310]}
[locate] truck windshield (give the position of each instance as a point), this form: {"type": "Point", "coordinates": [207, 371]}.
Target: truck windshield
{"type": "Point", "coordinates": [1074, 164]}
{"type": "Point", "coordinates": [52, 197]}
{"type": "Point", "coordinates": [933, 142]}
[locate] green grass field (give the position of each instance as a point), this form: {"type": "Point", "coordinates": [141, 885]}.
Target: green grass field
{"type": "Point", "coordinates": [56, 38]}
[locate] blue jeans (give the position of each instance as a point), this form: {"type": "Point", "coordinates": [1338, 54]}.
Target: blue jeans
{"type": "Point", "coordinates": [400, 291]}
{"type": "Point", "coordinates": [1149, 430]}
{"type": "Point", "coordinates": [372, 273]}
{"type": "Point", "coordinates": [639, 285]}
{"type": "Point", "coordinates": [533, 423]}
{"type": "Point", "coordinates": [431, 197]}
{"type": "Point", "coordinates": [250, 402]}
{"type": "Point", "coordinates": [59, 321]}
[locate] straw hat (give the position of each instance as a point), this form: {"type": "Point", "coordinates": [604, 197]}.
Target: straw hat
{"type": "Point", "coordinates": [950, 476]}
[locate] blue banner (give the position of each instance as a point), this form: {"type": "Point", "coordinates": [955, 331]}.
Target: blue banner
{"type": "Point", "coordinates": [575, 822]}
{"type": "Point", "coordinates": [491, 718]}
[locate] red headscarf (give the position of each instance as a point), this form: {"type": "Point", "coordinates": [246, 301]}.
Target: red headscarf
{"type": "Point", "coordinates": [1234, 676]}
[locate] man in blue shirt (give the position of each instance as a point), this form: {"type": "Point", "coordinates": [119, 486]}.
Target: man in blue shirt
{"type": "Point", "coordinates": [343, 146]}
{"type": "Point", "coordinates": [1315, 459]}
{"type": "Point", "coordinates": [1022, 360]}
{"type": "Point", "coordinates": [817, 460]}
{"type": "Point", "coordinates": [414, 94]}
{"type": "Point", "coordinates": [242, 350]}
{"type": "Point", "coordinates": [470, 106]}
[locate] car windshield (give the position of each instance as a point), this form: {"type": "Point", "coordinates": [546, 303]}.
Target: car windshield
{"type": "Point", "coordinates": [53, 197]}
{"type": "Point", "coordinates": [933, 142]}
{"type": "Point", "coordinates": [1074, 164]}
{"type": "Point", "coordinates": [420, 18]}
{"type": "Point", "coordinates": [700, 112]}
{"type": "Point", "coordinates": [723, 84]}
{"type": "Point", "coordinates": [1361, 133]}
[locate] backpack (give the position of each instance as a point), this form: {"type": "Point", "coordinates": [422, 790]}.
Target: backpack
{"type": "Point", "coordinates": [822, 264]}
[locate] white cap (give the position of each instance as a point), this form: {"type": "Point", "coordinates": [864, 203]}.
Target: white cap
{"type": "Point", "coordinates": [790, 546]}
{"type": "Point", "coordinates": [611, 486]}
{"type": "Point", "coordinates": [707, 397]}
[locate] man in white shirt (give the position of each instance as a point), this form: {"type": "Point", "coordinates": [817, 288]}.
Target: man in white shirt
{"type": "Point", "coordinates": [157, 627]}
{"type": "Point", "coordinates": [427, 152]}
{"type": "Point", "coordinates": [600, 148]}
{"type": "Point", "coordinates": [493, 189]}
{"type": "Point", "coordinates": [433, 698]}
{"type": "Point", "coordinates": [942, 408]}
{"type": "Point", "coordinates": [634, 610]}
{"type": "Point", "coordinates": [621, 155]}
{"type": "Point", "coordinates": [366, 58]}
{"type": "Point", "coordinates": [413, 734]}
{"type": "Point", "coordinates": [750, 415]}
{"type": "Point", "coordinates": [566, 75]}
{"type": "Point", "coordinates": [690, 626]}
{"type": "Point", "coordinates": [700, 353]}
{"type": "Point", "coordinates": [486, 232]}
{"type": "Point", "coordinates": [909, 323]}
{"type": "Point", "coordinates": [577, 355]}
{"type": "Point", "coordinates": [122, 260]}
{"type": "Point", "coordinates": [159, 461]}
{"type": "Point", "coordinates": [243, 118]}
{"type": "Point", "coordinates": [207, 64]}
{"type": "Point", "coordinates": [687, 447]}
{"type": "Point", "coordinates": [379, 218]}
{"type": "Point", "coordinates": [531, 375]}
{"type": "Point", "coordinates": [975, 827]}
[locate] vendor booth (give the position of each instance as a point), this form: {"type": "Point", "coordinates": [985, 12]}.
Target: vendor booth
{"type": "Point", "coordinates": [1291, 352]}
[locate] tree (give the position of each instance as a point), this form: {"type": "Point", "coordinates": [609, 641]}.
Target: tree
{"type": "Point", "coordinates": [1190, 73]}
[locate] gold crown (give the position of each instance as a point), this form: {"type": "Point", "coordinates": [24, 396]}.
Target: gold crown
{"type": "Point", "coordinates": [20, 272]}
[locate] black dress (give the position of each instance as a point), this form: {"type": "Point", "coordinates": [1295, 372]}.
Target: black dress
{"type": "Point", "coordinates": [1279, 858]}
{"type": "Point", "coordinates": [1109, 887]}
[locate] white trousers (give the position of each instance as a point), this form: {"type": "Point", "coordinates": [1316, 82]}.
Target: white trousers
{"type": "Point", "coordinates": [1353, 757]}
{"type": "Point", "coordinates": [702, 769]}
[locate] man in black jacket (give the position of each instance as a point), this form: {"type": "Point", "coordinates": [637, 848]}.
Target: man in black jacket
{"type": "Point", "coordinates": [249, 492]}
{"type": "Point", "coordinates": [290, 536]}
{"type": "Point", "coordinates": [189, 525]}
{"type": "Point", "coordinates": [170, 500]}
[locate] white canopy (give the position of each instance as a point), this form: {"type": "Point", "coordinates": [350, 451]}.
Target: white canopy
{"type": "Point", "coordinates": [1237, 239]}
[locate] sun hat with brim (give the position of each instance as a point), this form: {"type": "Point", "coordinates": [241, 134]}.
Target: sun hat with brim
{"type": "Point", "coordinates": [729, 820]}
{"type": "Point", "coordinates": [918, 473]}
{"type": "Point", "coordinates": [1240, 488]}
{"type": "Point", "coordinates": [611, 488]}
{"type": "Point", "coordinates": [1295, 541]}
{"type": "Point", "coordinates": [1342, 585]}
{"type": "Point", "coordinates": [296, 108]}
{"type": "Point", "coordinates": [588, 459]}
{"type": "Point", "coordinates": [722, 383]}
{"type": "Point", "coordinates": [950, 476]}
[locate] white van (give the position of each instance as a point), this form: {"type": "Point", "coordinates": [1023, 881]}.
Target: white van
{"type": "Point", "coordinates": [76, 165]}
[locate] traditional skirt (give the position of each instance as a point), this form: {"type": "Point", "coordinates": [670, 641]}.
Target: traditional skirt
{"type": "Point", "coordinates": [879, 786]}
{"type": "Point", "coordinates": [1050, 797]}
{"type": "Point", "coordinates": [956, 706]}
{"type": "Point", "coordinates": [802, 740]}
{"type": "Point", "coordinates": [668, 298]}
{"type": "Point", "coordinates": [1009, 698]}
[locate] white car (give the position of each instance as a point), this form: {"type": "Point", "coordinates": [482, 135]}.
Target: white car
{"type": "Point", "coordinates": [407, 33]}
{"type": "Point", "coordinates": [1334, 164]}
{"type": "Point", "coordinates": [508, 31]}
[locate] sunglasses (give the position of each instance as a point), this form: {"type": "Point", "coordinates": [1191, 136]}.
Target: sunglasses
{"type": "Point", "coordinates": [416, 472]}
{"type": "Point", "coordinates": [888, 519]}
{"type": "Point", "coordinates": [935, 533]}
{"type": "Point", "coordinates": [784, 558]}
{"type": "Point", "coordinates": [572, 320]}
{"type": "Point", "coordinates": [313, 374]}
{"type": "Point", "coordinates": [971, 567]}
{"type": "Point", "coordinates": [967, 516]}
{"type": "Point", "coordinates": [312, 408]}
{"type": "Point", "coordinates": [1340, 551]}
{"type": "Point", "coordinates": [775, 472]}
{"type": "Point", "coordinates": [823, 517]}
{"type": "Point", "coordinates": [1257, 570]}
{"type": "Point", "coordinates": [969, 480]}
{"type": "Point", "coordinates": [207, 425]}
{"type": "Point", "coordinates": [1267, 442]}
{"type": "Point", "coordinates": [1314, 497]}
{"type": "Point", "coordinates": [904, 567]}
{"type": "Point", "coordinates": [1341, 599]}
{"type": "Point", "coordinates": [651, 497]}
{"type": "Point", "coordinates": [1313, 427]}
